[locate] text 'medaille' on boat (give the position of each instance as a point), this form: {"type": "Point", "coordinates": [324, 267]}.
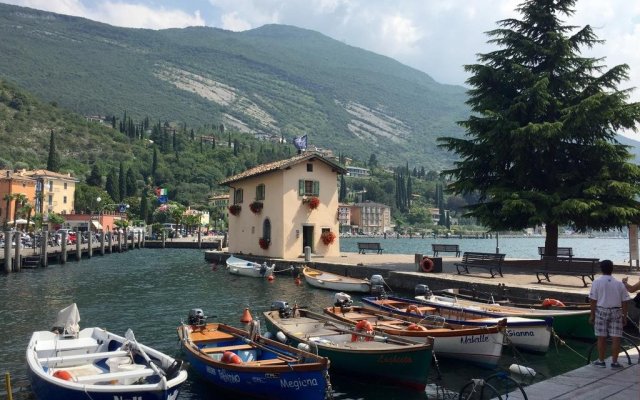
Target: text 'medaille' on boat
{"type": "Point", "coordinates": [565, 322]}
{"type": "Point", "coordinates": [531, 334]}
{"type": "Point", "coordinates": [392, 359]}
{"type": "Point", "coordinates": [340, 283]}
{"type": "Point", "coordinates": [247, 364]}
{"type": "Point", "coordinates": [68, 364]}
{"type": "Point", "coordinates": [238, 266]}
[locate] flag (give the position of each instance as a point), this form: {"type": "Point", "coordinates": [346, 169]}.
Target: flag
{"type": "Point", "coordinates": [161, 192]}
{"type": "Point", "coordinates": [300, 142]}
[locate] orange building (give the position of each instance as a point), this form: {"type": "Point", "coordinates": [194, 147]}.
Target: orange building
{"type": "Point", "coordinates": [12, 183]}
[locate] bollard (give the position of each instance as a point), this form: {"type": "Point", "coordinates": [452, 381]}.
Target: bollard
{"type": "Point", "coordinates": [17, 263]}
{"type": "Point", "coordinates": [102, 243]}
{"type": "Point", "coordinates": [44, 257]}
{"type": "Point", "coordinates": [199, 239]}
{"type": "Point", "coordinates": [78, 246]}
{"type": "Point", "coordinates": [90, 243]}
{"type": "Point", "coordinates": [139, 238]}
{"type": "Point", "coordinates": [7, 252]}
{"type": "Point", "coordinates": [110, 242]}
{"type": "Point", "coordinates": [307, 253]}
{"type": "Point", "coordinates": [63, 244]}
{"type": "Point", "coordinates": [133, 243]}
{"type": "Point", "coordinates": [164, 239]}
{"type": "Point", "coordinates": [119, 242]}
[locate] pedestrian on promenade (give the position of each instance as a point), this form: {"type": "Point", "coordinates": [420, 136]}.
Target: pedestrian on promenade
{"type": "Point", "coordinates": [608, 299]}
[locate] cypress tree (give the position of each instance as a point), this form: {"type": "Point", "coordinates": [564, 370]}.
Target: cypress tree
{"type": "Point", "coordinates": [95, 177]}
{"type": "Point", "coordinates": [131, 182]}
{"type": "Point", "coordinates": [111, 186]}
{"type": "Point", "coordinates": [144, 205]}
{"type": "Point", "coordinates": [122, 183]}
{"type": "Point", "coordinates": [342, 195]}
{"type": "Point", "coordinates": [53, 161]}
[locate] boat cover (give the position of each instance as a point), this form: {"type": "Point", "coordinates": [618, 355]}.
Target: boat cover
{"type": "Point", "coordinates": [68, 318]}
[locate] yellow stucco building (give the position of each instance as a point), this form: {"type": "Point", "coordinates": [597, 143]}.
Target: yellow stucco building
{"type": "Point", "coordinates": [277, 209]}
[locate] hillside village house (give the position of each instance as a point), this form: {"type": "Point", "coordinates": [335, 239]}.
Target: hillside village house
{"type": "Point", "coordinates": [279, 208]}
{"type": "Point", "coordinates": [57, 191]}
{"type": "Point", "coordinates": [11, 183]}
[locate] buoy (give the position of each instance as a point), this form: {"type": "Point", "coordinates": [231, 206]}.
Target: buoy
{"type": "Point", "coordinates": [229, 357]}
{"type": "Point", "coordinates": [246, 316]}
{"type": "Point", "coordinates": [416, 327]}
{"type": "Point", "coordinates": [281, 337]}
{"type": "Point", "coordinates": [270, 278]}
{"type": "Point", "coordinates": [64, 375]}
{"type": "Point", "coordinates": [522, 370]}
{"type": "Point", "coordinates": [298, 281]}
{"type": "Point", "coordinates": [552, 303]}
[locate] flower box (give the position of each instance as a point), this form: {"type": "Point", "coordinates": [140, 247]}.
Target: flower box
{"type": "Point", "coordinates": [312, 202]}
{"type": "Point", "coordinates": [264, 243]}
{"type": "Point", "coordinates": [235, 209]}
{"type": "Point", "coordinates": [256, 207]}
{"type": "Point", "coordinates": [328, 237]}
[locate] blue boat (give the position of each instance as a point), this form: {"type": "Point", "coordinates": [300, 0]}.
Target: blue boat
{"type": "Point", "coordinates": [92, 363]}
{"type": "Point", "coordinates": [250, 365]}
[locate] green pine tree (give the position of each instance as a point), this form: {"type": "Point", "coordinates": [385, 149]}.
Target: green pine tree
{"type": "Point", "coordinates": [111, 186]}
{"type": "Point", "coordinates": [95, 177]}
{"type": "Point", "coordinates": [53, 161]}
{"type": "Point", "coordinates": [541, 142]}
{"type": "Point", "coordinates": [122, 183]}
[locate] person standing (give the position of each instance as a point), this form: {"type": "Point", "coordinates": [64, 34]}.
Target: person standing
{"type": "Point", "coordinates": [608, 299]}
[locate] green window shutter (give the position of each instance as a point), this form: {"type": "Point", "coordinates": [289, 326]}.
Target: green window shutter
{"type": "Point", "coordinates": [301, 187]}
{"type": "Point", "coordinates": [316, 188]}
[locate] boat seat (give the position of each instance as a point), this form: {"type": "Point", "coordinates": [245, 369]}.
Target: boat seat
{"type": "Point", "coordinates": [48, 361]}
{"type": "Point", "coordinates": [272, 361]}
{"type": "Point", "coordinates": [209, 350]}
{"type": "Point", "coordinates": [87, 343]}
{"type": "Point", "coordinates": [112, 376]}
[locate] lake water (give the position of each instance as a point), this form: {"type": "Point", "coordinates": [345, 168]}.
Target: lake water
{"type": "Point", "coordinates": [151, 291]}
{"type": "Point", "coordinates": [615, 249]}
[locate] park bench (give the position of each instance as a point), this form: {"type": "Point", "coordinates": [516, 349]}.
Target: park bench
{"type": "Point", "coordinates": [562, 252]}
{"type": "Point", "coordinates": [490, 261]}
{"type": "Point", "coordinates": [579, 267]}
{"type": "Point", "coordinates": [363, 246]}
{"type": "Point", "coordinates": [445, 248]}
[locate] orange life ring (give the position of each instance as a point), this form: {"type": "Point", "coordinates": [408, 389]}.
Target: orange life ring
{"type": "Point", "coordinates": [416, 328]}
{"type": "Point", "coordinates": [365, 327]}
{"type": "Point", "coordinates": [413, 309]}
{"type": "Point", "coordinates": [552, 303]}
{"type": "Point", "coordinates": [229, 357]}
{"type": "Point", "coordinates": [426, 264]}
{"type": "Point", "coordinates": [64, 375]}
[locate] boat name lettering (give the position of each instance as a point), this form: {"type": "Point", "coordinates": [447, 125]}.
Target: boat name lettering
{"type": "Point", "coordinates": [520, 333]}
{"type": "Point", "coordinates": [395, 360]}
{"type": "Point", "coordinates": [470, 339]}
{"type": "Point", "coordinates": [227, 377]}
{"type": "Point", "coordinates": [211, 370]}
{"type": "Point", "coordinates": [298, 383]}
{"type": "Point", "coordinates": [127, 398]}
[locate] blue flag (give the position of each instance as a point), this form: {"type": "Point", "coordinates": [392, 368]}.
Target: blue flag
{"type": "Point", "coordinates": [300, 142]}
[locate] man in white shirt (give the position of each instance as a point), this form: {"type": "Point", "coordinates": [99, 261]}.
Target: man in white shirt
{"type": "Point", "coordinates": [608, 298]}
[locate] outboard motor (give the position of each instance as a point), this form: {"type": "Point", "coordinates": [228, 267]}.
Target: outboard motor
{"type": "Point", "coordinates": [422, 290]}
{"type": "Point", "coordinates": [284, 311]}
{"type": "Point", "coordinates": [377, 286]}
{"type": "Point", "coordinates": [263, 269]}
{"type": "Point", "coordinates": [196, 317]}
{"type": "Point", "coordinates": [342, 300]}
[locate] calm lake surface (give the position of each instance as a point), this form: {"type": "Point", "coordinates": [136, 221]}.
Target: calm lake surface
{"type": "Point", "coordinates": [151, 291]}
{"type": "Point", "coordinates": [615, 249]}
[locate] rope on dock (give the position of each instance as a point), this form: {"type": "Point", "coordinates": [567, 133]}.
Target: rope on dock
{"type": "Point", "coordinates": [559, 340]}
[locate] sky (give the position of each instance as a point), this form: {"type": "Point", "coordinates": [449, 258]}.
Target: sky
{"type": "Point", "coordinates": [437, 37]}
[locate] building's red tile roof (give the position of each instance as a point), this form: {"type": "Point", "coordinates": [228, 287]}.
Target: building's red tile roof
{"type": "Point", "coordinates": [280, 165]}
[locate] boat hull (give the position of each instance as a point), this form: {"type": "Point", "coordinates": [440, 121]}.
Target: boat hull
{"type": "Point", "coordinates": [325, 280]}
{"type": "Point", "coordinates": [238, 266]}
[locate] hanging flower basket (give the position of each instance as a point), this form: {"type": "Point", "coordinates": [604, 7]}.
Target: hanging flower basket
{"type": "Point", "coordinates": [328, 237]}
{"type": "Point", "coordinates": [235, 209]}
{"type": "Point", "coordinates": [256, 207]}
{"type": "Point", "coordinates": [264, 243]}
{"type": "Point", "coordinates": [312, 202]}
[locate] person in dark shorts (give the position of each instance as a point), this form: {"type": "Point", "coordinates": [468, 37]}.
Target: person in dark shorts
{"type": "Point", "coordinates": [608, 299]}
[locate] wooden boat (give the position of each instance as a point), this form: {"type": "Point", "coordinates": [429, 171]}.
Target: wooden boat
{"type": "Point", "coordinates": [391, 359]}
{"type": "Point", "coordinates": [339, 283]}
{"type": "Point", "coordinates": [93, 363]}
{"type": "Point", "coordinates": [574, 323]}
{"type": "Point", "coordinates": [525, 333]}
{"type": "Point", "coordinates": [248, 364]}
{"type": "Point", "coordinates": [242, 267]}
{"type": "Point", "coordinates": [480, 345]}
{"type": "Point", "coordinates": [509, 300]}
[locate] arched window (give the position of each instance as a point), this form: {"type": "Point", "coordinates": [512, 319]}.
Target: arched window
{"type": "Point", "coordinates": [266, 229]}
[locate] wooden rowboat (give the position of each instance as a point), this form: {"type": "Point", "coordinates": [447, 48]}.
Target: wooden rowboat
{"type": "Point", "coordinates": [326, 280]}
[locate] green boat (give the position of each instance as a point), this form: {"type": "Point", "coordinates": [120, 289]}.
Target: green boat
{"type": "Point", "coordinates": [358, 352]}
{"type": "Point", "coordinates": [566, 323]}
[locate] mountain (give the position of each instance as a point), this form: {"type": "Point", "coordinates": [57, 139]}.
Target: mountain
{"type": "Point", "coordinates": [278, 80]}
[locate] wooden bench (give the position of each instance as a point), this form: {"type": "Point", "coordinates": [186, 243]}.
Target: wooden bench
{"type": "Point", "coordinates": [490, 261]}
{"type": "Point", "coordinates": [579, 267]}
{"type": "Point", "coordinates": [445, 248]}
{"type": "Point", "coordinates": [363, 246]}
{"type": "Point", "coordinates": [562, 252]}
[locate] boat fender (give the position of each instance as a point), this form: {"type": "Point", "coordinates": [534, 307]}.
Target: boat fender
{"type": "Point", "coordinates": [304, 347]}
{"type": "Point", "coordinates": [268, 335]}
{"type": "Point", "coordinates": [64, 375]}
{"type": "Point", "coordinates": [413, 309]}
{"type": "Point", "coordinates": [281, 337]}
{"type": "Point", "coordinates": [552, 303]}
{"type": "Point", "coordinates": [416, 328]}
{"type": "Point", "coordinates": [426, 264]}
{"type": "Point", "coordinates": [522, 370]}
{"type": "Point", "coordinates": [229, 357]}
